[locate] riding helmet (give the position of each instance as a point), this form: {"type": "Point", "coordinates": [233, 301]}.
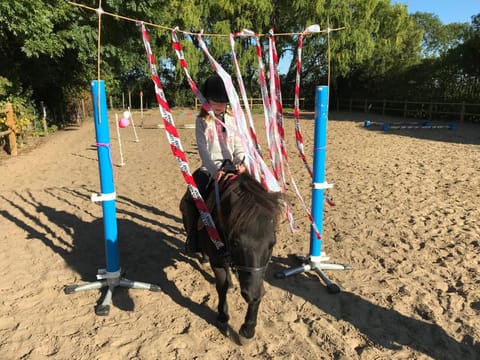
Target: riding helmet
{"type": "Point", "coordinates": [214, 89]}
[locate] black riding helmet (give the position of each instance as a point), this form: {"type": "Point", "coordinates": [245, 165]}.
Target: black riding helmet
{"type": "Point", "coordinates": [214, 89]}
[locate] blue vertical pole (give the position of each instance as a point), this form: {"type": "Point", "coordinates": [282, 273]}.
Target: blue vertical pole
{"type": "Point", "coordinates": [105, 166]}
{"type": "Point", "coordinates": [319, 156]}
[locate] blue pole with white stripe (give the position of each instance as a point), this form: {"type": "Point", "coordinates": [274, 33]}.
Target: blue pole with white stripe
{"type": "Point", "coordinates": [319, 156]}
{"type": "Point", "coordinates": [105, 166]}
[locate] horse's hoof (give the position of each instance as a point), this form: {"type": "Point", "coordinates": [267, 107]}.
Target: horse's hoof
{"type": "Point", "coordinates": [224, 328]}
{"type": "Point", "coordinates": [243, 340]}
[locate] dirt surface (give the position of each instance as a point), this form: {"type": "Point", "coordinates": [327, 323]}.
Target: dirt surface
{"type": "Point", "coordinates": [407, 219]}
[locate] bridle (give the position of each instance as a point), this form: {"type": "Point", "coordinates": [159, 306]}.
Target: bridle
{"type": "Point", "coordinates": [235, 267]}
{"type": "Point", "coordinates": [248, 269]}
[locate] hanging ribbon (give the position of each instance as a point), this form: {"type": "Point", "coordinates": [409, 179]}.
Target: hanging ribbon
{"type": "Point", "coordinates": [253, 133]}
{"type": "Point", "coordinates": [176, 146]}
{"type": "Point", "coordinates": [296, 109]}
{"type": "Point", "coordinates": [257, 165]}
{"type": "Point", "coordinates": [276, 123]}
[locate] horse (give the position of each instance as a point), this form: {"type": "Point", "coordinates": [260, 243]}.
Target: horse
{"type": "Point", "coordinates": [246, 216]}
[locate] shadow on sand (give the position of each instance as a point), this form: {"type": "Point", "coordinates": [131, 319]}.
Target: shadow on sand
{"type": "Point", "coordinates": [144, 253]}
{"type": "Point", "coordinates": [383, 326]}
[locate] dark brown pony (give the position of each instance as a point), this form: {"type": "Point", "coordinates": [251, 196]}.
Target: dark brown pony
{"type": "Point", "coordinates": [246, 217]}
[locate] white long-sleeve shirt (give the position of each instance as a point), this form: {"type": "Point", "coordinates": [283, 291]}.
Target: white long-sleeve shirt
{"type": "Point", "coordinates": [216, 144]}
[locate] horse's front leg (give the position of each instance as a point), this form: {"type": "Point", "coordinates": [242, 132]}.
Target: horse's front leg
{"type": "Point", "coordinates": [222, 285]}
{"type": "Point", "coordinates": [247, 330]}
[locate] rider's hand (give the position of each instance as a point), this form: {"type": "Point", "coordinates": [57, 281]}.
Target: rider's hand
{"type": "Point", "coordinates": [219, 174]}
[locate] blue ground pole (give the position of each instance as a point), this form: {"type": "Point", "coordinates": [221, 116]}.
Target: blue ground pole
{"type": "Point", "coordinates": [105, 167]}
{"type": "Point", "coordinates": [319, 156]}
{"type": "Point", "coordinates": [317, 258]}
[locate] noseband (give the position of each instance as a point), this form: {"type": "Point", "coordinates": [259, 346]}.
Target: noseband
{"type": "Point", "coordinates": [248, 269]}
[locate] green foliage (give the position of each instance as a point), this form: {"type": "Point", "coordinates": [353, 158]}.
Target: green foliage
{"type": "Point", "coordinates": [48, 49]}
{"type": "Point", "coordinates": [439, 38]}
{"type": "Point", "coordinates": [24, 114]}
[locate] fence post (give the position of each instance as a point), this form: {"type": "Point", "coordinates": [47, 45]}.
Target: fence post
{"type": "Point", "coordinates": [83, 110]}
{"type": "Point", "coordinates": [12, 137]}
{"type": "Point", "coordinates": [44, 120]}
{"type": "Point", "coordinates": [462, 112]}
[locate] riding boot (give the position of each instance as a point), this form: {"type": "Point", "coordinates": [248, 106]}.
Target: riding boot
{"type": "Point", "coordinates": [190, 218]}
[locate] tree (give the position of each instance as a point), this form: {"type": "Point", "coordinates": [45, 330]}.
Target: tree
{"type": "Point", "coordinates": [437, 37]}
{"type": "Point", "coordinates": [44, 50]}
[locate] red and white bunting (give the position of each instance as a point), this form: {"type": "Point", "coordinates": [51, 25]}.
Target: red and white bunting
{"type": "Point", "coordinates": [296, 109]}
{"type": "Point", "coordinates": [176, 146]}
{"type": "Point", "coordinates": [243, 92]}
{"type": "Point", "coordinates": [254, 161]}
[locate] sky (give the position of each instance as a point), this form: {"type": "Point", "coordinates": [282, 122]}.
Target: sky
{"type": "Point", "coordinates": [448, 11]}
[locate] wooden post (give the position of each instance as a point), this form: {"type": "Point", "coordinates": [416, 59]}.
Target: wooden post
{"type": "Point", "coordinates": [83, 110]}
{"type": "Point", "coordinates": [12, 137]}
{"type": "Point", "coordinates": [141, 107]}
{"type": "Point", "coordinates": [462, 112]}
{"type": "Point", "coordinates": [44, 121]}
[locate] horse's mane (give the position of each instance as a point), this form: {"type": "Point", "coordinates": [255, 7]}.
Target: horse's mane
{"type": "Point", "coordinates": [245, 203]}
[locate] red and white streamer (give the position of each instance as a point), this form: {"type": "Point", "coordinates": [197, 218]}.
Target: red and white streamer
{"type": "Point", "coordinates": [296, 109]}
{"type": "Point", "coordinates": [243, 92]}
{"type": "Point", "coordinates": [276, 100]}
{"type": "Point", "coordinates": [252, 157]}
{"type": "Point", "coordinates": [176, 146]}
{"type": "Point", "coordinates": [254, 161]}
{"type": "Point", "coordinates": [276, 121]}
{"type": "Point", "coordinates": [267, 108]}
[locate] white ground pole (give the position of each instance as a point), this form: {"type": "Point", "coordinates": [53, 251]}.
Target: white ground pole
{"type": "Point", "coordinates": [122, 163]}
{"type": "Point", "coordinates": [133, 125]}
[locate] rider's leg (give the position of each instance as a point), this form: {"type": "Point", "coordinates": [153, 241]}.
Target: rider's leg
{"type": "Point", "coordinates": [190, 213]}
{"type": "Point", "coordinates": [190, 217]}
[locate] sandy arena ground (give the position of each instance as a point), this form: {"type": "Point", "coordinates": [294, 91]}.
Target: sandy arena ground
{"type": "Point", "coordinates": [407, 219]}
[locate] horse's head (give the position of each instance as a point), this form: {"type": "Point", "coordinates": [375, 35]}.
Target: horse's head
{"type": "Point", "coordinates": [246, 217]}
{"type": "Point", "coordinates": [249, 215]}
